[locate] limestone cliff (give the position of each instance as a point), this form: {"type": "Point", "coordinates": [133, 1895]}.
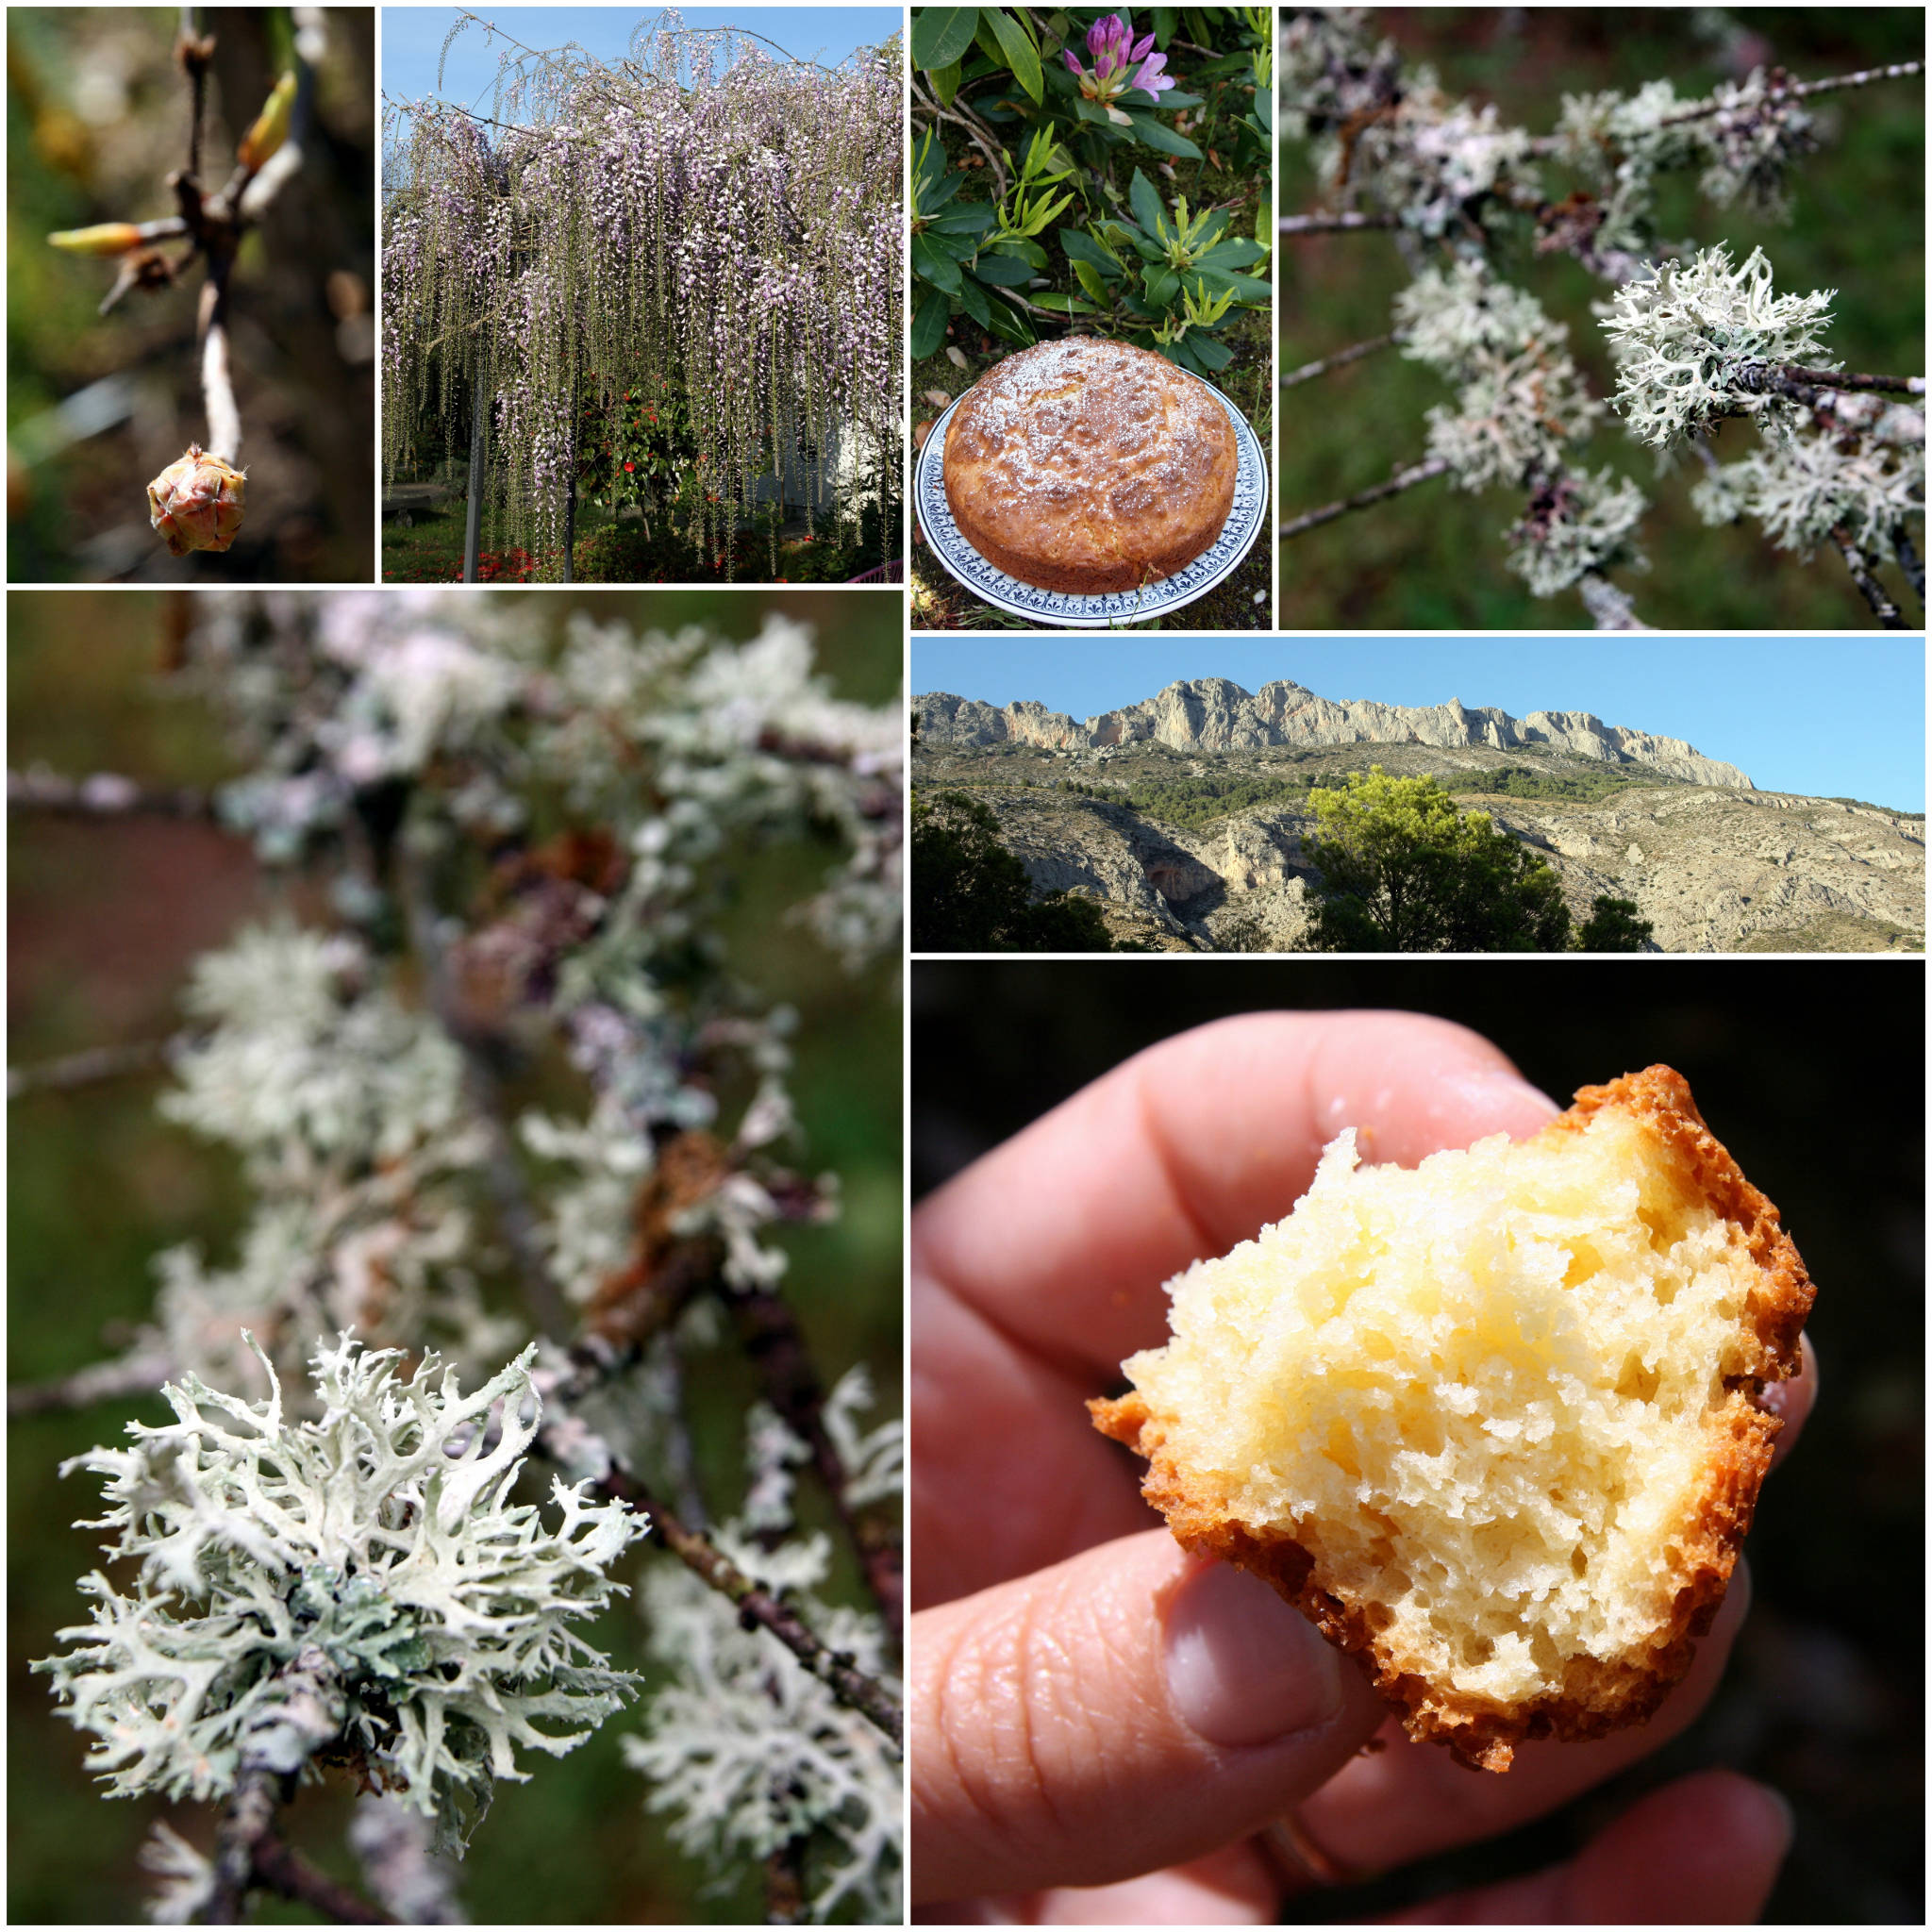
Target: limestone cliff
{"type": "Point", "coordinates": [1213, 714]}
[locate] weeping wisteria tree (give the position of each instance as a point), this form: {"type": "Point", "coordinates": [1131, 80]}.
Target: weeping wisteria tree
{"type": "Point", "coordinates": [505, 1336]}
{"type": "Point", "coordinates": [1713, 355]}
{"type": "Point", "coordinates": [675, 279]}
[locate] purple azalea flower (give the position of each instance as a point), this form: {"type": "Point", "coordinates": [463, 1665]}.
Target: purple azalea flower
{"type": "Point", "coordinates": [1116, 55]}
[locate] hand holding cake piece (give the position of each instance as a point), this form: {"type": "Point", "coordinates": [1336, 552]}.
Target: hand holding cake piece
{"type": "Point", "coordinates": [1492, 1424]}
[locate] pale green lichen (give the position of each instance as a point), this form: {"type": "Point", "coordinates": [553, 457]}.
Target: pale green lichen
{"type": "Point", "coordinates": [374, 1557]}
{"type": "Point", "coordinates": [753, 1750]}
{"type": "Point", "coordinates": [1688, 334]}
{"type": "Point", "coordinates": [1581, 525]}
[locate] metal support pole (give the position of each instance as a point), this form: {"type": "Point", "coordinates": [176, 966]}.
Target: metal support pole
{"type": "Point", "coordinates": [480, 434]}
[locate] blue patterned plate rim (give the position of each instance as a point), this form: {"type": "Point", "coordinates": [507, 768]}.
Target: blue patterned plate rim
{"type": "Point", "coordinates": [1246, 519]}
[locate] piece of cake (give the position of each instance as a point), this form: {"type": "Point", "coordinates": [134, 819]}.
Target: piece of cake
{"type": "Point", "coordinates": [1490, 1422]}
{"type": "Point", "coordinates": [1089, 466]}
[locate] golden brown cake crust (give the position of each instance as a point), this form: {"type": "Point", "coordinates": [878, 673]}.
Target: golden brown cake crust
{"type": "Point", "coordinates": [1597, 1697]}
{"type": "Point", "coordinates": [1086, 466]}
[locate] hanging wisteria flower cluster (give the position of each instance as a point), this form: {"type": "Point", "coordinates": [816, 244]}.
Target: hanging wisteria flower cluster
{"type": "Point", "coordinates": [1696, 337]}
{"type": "Point", "coordinates": [706, 225]}
{"type": "Point", "coordinates": [528, 846]}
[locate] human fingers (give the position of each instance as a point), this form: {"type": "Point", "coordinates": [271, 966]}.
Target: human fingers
{"type": "Point", "coordinates": [1123, 1711]}
{"type": "Point", "coordinates": [1408, 1800]}
{"type": "Point", "coordinates": [1704, 1851]}
{"type": "Point", "coordinates": [1794, 1400]}
{"type": "Point", "coordinates": [1231, 1886]}
{"type": "Point", "coordinates": [1036, 1271]}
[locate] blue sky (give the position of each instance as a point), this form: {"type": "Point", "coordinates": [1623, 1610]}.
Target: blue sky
{"type": "Point", "coordinates": [412, 39]}
{"type": "Point", "coordinates": [1832, 717]}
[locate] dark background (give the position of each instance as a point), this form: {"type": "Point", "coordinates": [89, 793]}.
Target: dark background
{"type": "Point", "coordinates": [103, 921]}
{"type": "Point", "coordinates": [1811, 1073]}
{"type": "Point", "coordinates": [1433, 558]}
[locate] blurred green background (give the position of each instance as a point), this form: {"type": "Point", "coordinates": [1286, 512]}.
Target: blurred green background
{"type": "Point", "coordinates": [1812, 1073]}
{"type": "Point", "coordinates": [97, 117]}
{"type": "Point", "coordinates": [1433, 558]}
{"type": "Point", "coordinates": [103, 921]}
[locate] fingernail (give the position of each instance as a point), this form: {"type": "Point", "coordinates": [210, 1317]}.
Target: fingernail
{"type": "Point", "coordinates": [1242, 1666]}
{"type": "Point", "coordinates": [1501, 1094]}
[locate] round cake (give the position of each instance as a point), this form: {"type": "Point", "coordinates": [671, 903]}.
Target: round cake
{"type": "Point", "coordinates": [1087, 466]}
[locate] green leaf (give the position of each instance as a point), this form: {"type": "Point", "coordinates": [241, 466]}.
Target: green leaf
{"type": "Point", "coordinates": [1246, 290]}
{"type": "Point", "coordinates": [1146, 203]}
{"type": "Point", "coordinates": [1069, 305]}
{"type": "Point", "coordinates": [1181, 354]}
{"type": "Point", "coordinates": [1010, 325]}
{"type": "Point", "coordinates": [1173, 101]}
{"type": "Point", "coordinates": [929, 324]}
{"type": "Point", "coordinates": [1082, 249]}
{"type": "Point", "coordinates": [1088, 111]}
{"type": "Point", "coordinates": [1003, 271]}
{"type": "Point", "coordinates": [976, 301]}
{"type": "Point", "coordinates": [1165, 20]}
{"type": "Point", "coordinates": [938, 269]}
{"type": "Point", "coordinates": [1090, 278]}
{"type": "Point", "coordinates": [945, 83]}
{"type": "Point", "coordinates": [1264, 108]}
{"type": "Point", "coordinates": [940, 35]}
{"type": "Point", "coordinates": [1020, 51]}
{"type": "Point", "coordinates": [951, 241]}
{"type": "Point", "coordinates": [1237, 254]}
{"type": "Point", "coordinates": [1161, 139]}
{"type": "Point", "coordinates": [974, 218]}
{"type": "Point", "coordinates": [934, 195]}
{"type": "Point", "coordinates": [929, 164]}
{"type": "Point", "coordinates": [1207, 352]}
{"type": "Point", "coordinates": [1050, 212]}
{"type": "Point", "coordinates": [1163, 285]}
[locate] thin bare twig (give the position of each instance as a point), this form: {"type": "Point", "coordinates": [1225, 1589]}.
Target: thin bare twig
{"type": "Point", "coordinates": [759, 1608]}
{"type": "Point", "coordinates": [1874, 592]}
{"type": "Point", "coordinates": [246, 1820]}
{"type": "Point", "coordinates": [217, 388]}
{"type": "Point", "coordinates": [789, 1378]}
{"type": "Point", "coordinates": [1332, 224]}
{"type": "Point", "coordinates": [1909, 560]}
{"type": "Point", "coordinates": [88, 1067]}
{"type": "Point", "coordinates": [1403, 479]}
{"type": "Point", "coordinates": [282, 1869]}
{"type": "Point", "coordinates": [135, 1375]}
{"type": "Point", "coordinates": [1354, 353]}
{"type": "Point", "coordinates": [1800, 89]}
{"type": "Point", "coordinates": [1805, 384]}
{"type": "Point", "coordinates": [959, 119]}
{"type": "Point", "coordinates": [515, 1216]}
{"type": "Point", "coordinates": [104, 795]}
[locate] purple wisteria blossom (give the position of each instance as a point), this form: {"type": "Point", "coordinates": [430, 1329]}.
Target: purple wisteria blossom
{"type": "Point", "coordinates": [1121, 63]}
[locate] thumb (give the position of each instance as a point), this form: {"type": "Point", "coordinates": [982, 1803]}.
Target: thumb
{"type": "Point", "coordinates": [1128, 1709]}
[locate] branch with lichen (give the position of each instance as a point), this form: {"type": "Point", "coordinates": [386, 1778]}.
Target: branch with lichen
{"type": "Point", "coordinates": [198, 502]}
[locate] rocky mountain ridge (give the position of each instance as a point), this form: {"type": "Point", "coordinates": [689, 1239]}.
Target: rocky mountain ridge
{"type": "Point", "coordinates": [1214, 714]}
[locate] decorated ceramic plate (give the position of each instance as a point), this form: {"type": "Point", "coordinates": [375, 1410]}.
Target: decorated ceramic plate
{"type": "Point", "coordinates": [1064, 611]}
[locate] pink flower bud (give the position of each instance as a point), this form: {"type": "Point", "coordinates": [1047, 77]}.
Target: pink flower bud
{"type": "Point", "coordinates": [196, 502]}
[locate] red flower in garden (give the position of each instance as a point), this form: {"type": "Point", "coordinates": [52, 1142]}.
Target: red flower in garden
{"type": "Point", "coordinates": [630, 466]}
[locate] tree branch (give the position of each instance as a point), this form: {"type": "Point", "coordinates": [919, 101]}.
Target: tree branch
{"type": "Point", "coordinates": [1333, 225]}
{"type": "Point", "coordinates": [105, 795]}
{"type": "Point", "coordinates": [515, 1216]}
{"type": "Point", "coordinates": [1403, 479]}
{"type": "Point", "coordinates": [1309, 371]}
{"type": "Point", "coordinates": [1609, 607]}
{"type": "Point", "coordinates": [758, 1608]}
{"type": "Point", "coordinates": [135, 1375]}
{"type": "Point", "coordinates": [1799, 91]}
{"type": "Point", "coordinates": [789, 1378]}
{"type": "Point", "coordinates": [284, 1870]}
{"type": "Point", "coordinates": [1909, 560]}
{"type": "Point", "coordinates": [1869, 588]}
{"type": "Point", "coordinates": [246, 1820]}
{"type": "Point", "coordinates": [84, 1068]}
{"type": "Point", "coordinates": [1803, 385]}
{"type": "Point", "coordinates": [217, 388]}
